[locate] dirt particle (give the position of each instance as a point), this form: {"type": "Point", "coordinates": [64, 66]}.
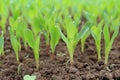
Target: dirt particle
{"type": "Point", "coordinates": [72, 69]}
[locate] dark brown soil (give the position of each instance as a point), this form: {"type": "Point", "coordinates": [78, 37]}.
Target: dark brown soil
{"type": "Point", "coordinates": [86, 66]}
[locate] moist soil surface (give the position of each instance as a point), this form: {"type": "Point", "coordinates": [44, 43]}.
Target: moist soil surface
{"type": "Point", "coordinates": [85, 67]}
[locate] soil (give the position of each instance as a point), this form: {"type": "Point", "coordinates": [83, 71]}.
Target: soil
{"type": "Point", "coordinates": [86, 66]}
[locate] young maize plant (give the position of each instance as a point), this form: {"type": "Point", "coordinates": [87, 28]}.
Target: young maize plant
{"type": "Point", "coordinates": [54, 39]}
{"type": "Point", "coordinates": [33, 35]}
{"type": "Point", "coordinates": [15, 44]}
{"type": "Point", "coordinates": [1, 44]}
{"type": "Point", "coordinates": [109, 41]}
{"type": "Point", "coordinates": [34, 42]}
{"type": "Point", "coordinates": [49, 30]}
{"type": "Point", "coordinates": [54, 35]}
{"type": "Point", "coordinates": [96, 33]}
{"type": "Point", "coordinates": [73, 36]}
{"type": "Point", "coordinates": [15, 40]}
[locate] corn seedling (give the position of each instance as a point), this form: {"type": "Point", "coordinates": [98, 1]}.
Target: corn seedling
{"type": "Point", "coordinates": [33, 42]}
{"type": "Point", "coordinates": [109, 41]}
{"type": "Point", "coordinates": [15, 40]}
{"type": "Point", "coordinates": [53, 32]}
{"type": "Point", "coordinates": [96, 32]}
{"type": "Point", "coordinates": [15, 44]}
{"type": "Point", "coordinates": [49, 29]}
{"type": "Point", "coordinates": [55, 36]}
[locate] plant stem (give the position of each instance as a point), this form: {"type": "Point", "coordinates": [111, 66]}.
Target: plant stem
{"type": "Point", "coordinates": [106, 57]}
{"type": "Point", "coordinates": [71, 53]}
{"type": "Point", "coordinates": [82, 45]}
{"type": "Point", "coordinates": [25, 45]}
{"type": "Point", "coordinates": [17, 57]}
{"type": "Point", "coordinates": [99, 55]}
{"type": "Point", "coordinates": [71, 60]}
{"type": "Point", "coordinates": [98, 51]}
{"type": "Point", "coordinates": [2, 53]}
{"type": "Point", "coordinates": [36, 54]}
{"type": "Point", "coordinates": [37, 64]}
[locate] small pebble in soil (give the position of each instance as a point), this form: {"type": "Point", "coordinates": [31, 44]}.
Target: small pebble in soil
{"type": "Point", "coordinates": [72, 69]}
{"type": "Point", "coordinates": [72, 76]}
{"type": "Point", "coordinates": [90, 76]}
{"type": "Point", "coordinates": [55, 77]}
{"type": "Point", "coordinates": [116, 75]}
{"type": "Point", "coordinates": [7, 51]}
{"type": "Point", "coordinates": [78, 65]}
{"type": "Point", "coordinates": [108, 76]}
{"type": "Point", "coordinates": [38, 75]}
{"type": "Point", "coordinates": [85, 65]}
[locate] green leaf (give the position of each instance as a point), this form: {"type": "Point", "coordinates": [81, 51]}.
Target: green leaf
{"type": "Point", "coordinates": [83, 31]}
{"type": "Point", "coordinates": [36, 26]}
{"type": "Point", "coordinates": [106, 34]}
{"type": "Point", "coordinates": [71, 31]}
{"type": "Point", "coordinates": [62, 36]}
{"type": "Point", "coordinates": [96, 33]}
{"type": "Point", "coordinates": [36, 50]}
{"type": "Point", "coordinates": [1, 45]}
{"type": "Point", "coordinates": [37, 42]}
{"type": "Point", "coordinates": [16, 45]}
{"type": "Point", "coordinates": [30, 38]}
{"type": "Point", "coordinates": [116, 31]}
{"type": "Point", "coordinates": [83, 39]}
{"type": "Point", "coordinates": [108, 41]}
{"type": "Point", "coordinates": [20, 29]}
{"type": "Point", "coordinates": [55, 36]}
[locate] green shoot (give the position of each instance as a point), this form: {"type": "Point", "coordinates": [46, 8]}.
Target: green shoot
{"type": "Point", "coordinates": [108, 41]}
{"type": "Point", "coordinates": [55, 36]}
{"type": "Point", "coordinates": [15, 44]}
{"type": "Point", "coordinates": [35, 25]}
{"type": "Point", "coordinates": [33, 42]}
{"type": "Point", "coordinates": [96, 33]}
{"type": "Point", "coordinates": [15, 40]}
